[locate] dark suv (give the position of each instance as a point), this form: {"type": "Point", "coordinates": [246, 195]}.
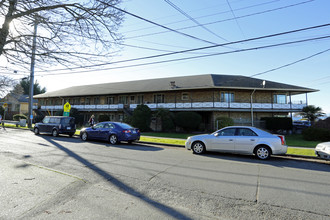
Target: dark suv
{"type": "Point", "coordinates": [56, 125]}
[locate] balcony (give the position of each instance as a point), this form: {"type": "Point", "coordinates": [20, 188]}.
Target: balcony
{"type": "Point", "coordinates": [202, 106]}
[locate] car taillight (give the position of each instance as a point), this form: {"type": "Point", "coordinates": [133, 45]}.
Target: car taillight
{"type": "Point", "coordinates": [126, 131]}
{"type": "Point", "coordinates": [282, 139]}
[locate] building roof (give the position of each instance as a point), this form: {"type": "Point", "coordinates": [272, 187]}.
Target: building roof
{"type": "Point", "coordinates": [207, 81]}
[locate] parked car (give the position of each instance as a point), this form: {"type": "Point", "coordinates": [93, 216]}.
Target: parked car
{"type": "Point", "coordinates": [240, 140]}
{"type": "Point", "coordinates": [322, 150]}
{"type": "Point", "coordinates": [56, 125]}
{"type": "Point", "coordinates": [114, 132]}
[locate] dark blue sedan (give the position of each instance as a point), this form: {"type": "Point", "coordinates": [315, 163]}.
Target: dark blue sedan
{"type": "Point", "coordinates": [114, 132]}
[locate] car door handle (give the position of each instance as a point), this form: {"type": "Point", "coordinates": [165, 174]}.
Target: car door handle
{"type": "Point", "coordinates": [252, 139]}
{"type": "Point", "coordinates": [231, 140]}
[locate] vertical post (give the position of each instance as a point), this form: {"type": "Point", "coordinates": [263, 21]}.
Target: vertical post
{"type": "Point", "coordinates": [32, 74]}
{"type": "Point", "coordinates": [252, 124]}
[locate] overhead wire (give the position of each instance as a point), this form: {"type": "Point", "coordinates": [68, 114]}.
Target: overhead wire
{"type": "Point", "coordinates": [219, 21]}
{"type": "Point", "coordinates": [162, 26]}
{"type": "Point", "coordinates": [193, 20]}
{"type": "Point", "coordinates": [292, 63]}
{"type": "Point", "coordinates": [200, 56]}
{"type": "Point", "coordinates": [200, 48]}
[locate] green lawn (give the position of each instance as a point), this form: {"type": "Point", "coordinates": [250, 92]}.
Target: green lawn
{"type": "Point", "coordinates": [298, 141]}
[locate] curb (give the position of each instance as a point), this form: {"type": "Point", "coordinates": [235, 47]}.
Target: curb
{"type": "Point", "coordinates": [286, 155]}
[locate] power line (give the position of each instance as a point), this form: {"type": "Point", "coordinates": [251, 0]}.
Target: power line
{"type": "Point", "coordinates": [192, 19]}
{"type": "Point", "coordinates": [205, 16]}
{"type": "Point", "coordinates": [232, 11]}
{"type": "Point", "coordinates": [290, 64]}
{"type": "Point", "coordinates": [162, 26]}
{"type": "Point", "coordinates": [200, 48]}
{"type": "Point", "coordinates": [229, 19]}
{"type": "Point", "coordinates": [201, 56]}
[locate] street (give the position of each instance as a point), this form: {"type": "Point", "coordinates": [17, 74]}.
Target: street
{"type": "Point", "coordinates": [45, 177]}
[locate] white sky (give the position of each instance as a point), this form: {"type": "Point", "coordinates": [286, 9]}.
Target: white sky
{"type": "Point", "coordinates": [223, 25]}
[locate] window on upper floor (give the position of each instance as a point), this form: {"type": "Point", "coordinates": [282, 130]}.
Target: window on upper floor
{"type": "Point", "coordinates": [110, 100]}
{"type": "Point", "coordinates": [227, 97]}
{"type": "Point", "coordinates": [123, 99]}
{"type": "Point", "coordinates": [132, 99]}
{"type": "Point", "coordinates": [140, 99]}
{"type": "Point", "coordinates": [87, 101]}
{"type": "Point", "coordinates": [159, 98]}
{"type": "Point", "coordinates": [96, 101]}
{"type": "Point", "coordinates": [279, 99]}
{"type": "Point", "coordinates": [185, 96]}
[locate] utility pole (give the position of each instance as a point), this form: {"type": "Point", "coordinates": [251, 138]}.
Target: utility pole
{"type": "Point", "coordinates": [32, 73]}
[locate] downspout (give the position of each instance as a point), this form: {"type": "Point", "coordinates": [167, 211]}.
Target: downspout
{"type": "Point", "coordinates": [252, 124]}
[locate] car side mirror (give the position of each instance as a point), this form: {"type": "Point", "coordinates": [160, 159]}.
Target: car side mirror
{"type": "Point", "coordinates": [216, 134]}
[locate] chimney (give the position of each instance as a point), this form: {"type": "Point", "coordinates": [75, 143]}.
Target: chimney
{"type": "Point", "coordinates": [172, 84]}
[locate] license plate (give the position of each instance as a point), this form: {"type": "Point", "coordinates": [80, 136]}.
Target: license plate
{"type": "Point", "coordinates": [134, 132]}
{"type": "Point", "coordinates": [68, 128]}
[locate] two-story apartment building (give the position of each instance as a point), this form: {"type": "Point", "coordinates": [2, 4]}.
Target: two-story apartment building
{"type": "Point", "coordinates": [244, 99]}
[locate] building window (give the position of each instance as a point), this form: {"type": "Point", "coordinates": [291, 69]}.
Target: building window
{"type": "Point", "coordinates": [112, 117]}
{"type": "Point", "coordinates": [227, 97]}
{"type": "Point", "coordinates": [87, 101]}
{"type": "Point", "coordinates": [140, 99]}
{"type": "Point", "coordinates": [132, 99]}
{"type": "Point", "coordinates": [96, 101]}
{"type": "Point", "coordinates": [76, 101]}
{"type": "Point", "coordinates": [123, 99]}
{"type": "Point", "coordinates": [185, 96]}
{"type": "Point", "coordinates": [159, 98]}
{"type": "Point", "coordinates": [110, 100]}
{"type": "Point", "coordinates": [279, 98]}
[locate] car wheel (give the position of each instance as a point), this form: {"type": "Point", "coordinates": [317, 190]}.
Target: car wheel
{"type": "Point", "coordinates": [198, 147]}
{"type": "Point", "coordinates": [36, 131]}
{"type": "Point", "coordinates": [55, 133]}
{"type": "Point", "coordinates": [84, 136]}
{"type": "Point", "coordinates": [113, 139]}
{"type": "Point", "coordinates": [263, 152]}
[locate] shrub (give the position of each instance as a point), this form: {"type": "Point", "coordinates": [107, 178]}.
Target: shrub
{"type": "Point", "coordinates": [189, 121]}
{"type": "Point", "coordinates": [224, 122]}
{"type": "Point", "coordinates": [277, 123]}
{"type": "Point", "coordinates": [17, 117]}
{"type": "Point", "coordinates": [166, 118]}
{"type": "Point", "coordinates": [141, 117]}
{"type": "Point", "coordinates": [323, 124]}
{"type": "Point", "coordinates": [316, 134]}
{"type": "Point", "coordinates": [104, 118]}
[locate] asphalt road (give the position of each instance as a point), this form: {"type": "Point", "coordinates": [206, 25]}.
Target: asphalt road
{"type": "Point", "coordinates": [45, 177]}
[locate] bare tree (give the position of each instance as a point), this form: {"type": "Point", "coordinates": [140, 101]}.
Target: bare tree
{"type": "Point", "coordinates": [70, 33]}
{"type": "Point", "coordinates": [6, 83]}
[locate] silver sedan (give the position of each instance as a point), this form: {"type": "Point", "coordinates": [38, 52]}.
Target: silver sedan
{"type": "Point", "coordinates": [322, 150]}
{"type": "Point", "coordinates": [240, 140]}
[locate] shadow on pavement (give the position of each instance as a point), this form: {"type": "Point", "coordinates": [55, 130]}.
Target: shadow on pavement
{"type": "Point", "coordinates": [121, 185]}
{"type": "Point", "coordinates": [276, 161]}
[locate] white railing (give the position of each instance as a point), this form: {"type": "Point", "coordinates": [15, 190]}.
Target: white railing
{"type": "Point", "coordinates": [192, 105]}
